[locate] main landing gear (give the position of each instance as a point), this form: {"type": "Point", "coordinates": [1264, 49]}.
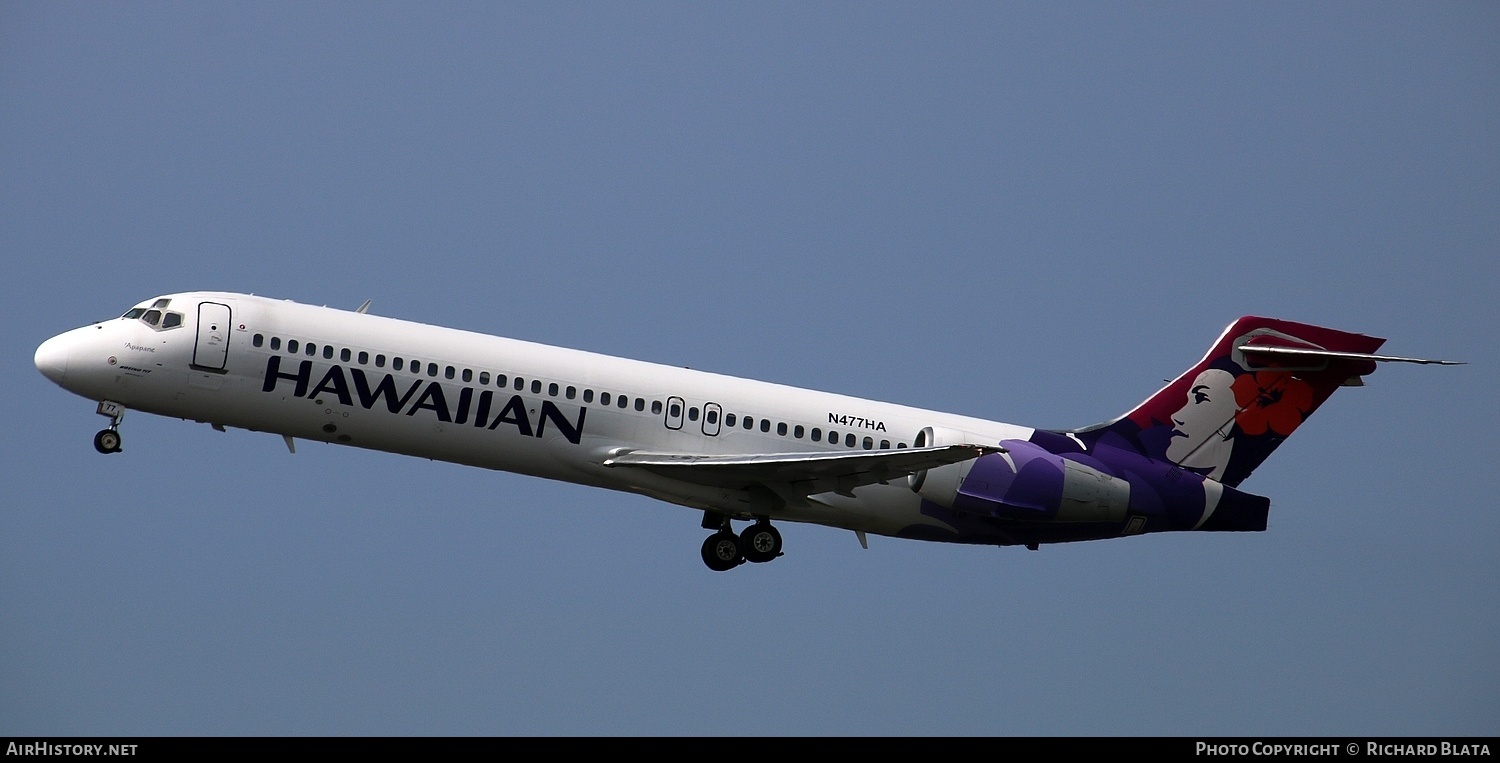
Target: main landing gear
{"type": "Point", "coordinates": [108, 440]}
{"type": "Point", "coordinates": [724, 550]}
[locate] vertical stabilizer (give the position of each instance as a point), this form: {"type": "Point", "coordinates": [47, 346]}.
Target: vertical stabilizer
{"type": "Point", "coordinates": [1261, 379]}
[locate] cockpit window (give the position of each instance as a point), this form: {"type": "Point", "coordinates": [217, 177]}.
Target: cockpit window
{"type": "Point", "coordinates": [156, 316]}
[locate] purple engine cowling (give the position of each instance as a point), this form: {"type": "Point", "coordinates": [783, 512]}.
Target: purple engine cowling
{"type": "Point", "coordinates": [1030, 483]}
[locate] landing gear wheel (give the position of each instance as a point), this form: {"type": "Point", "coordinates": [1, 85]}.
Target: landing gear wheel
{"type": "Point", "coordinates": [721, 551]}
{"type": "Point", "coordinates": [761, 542]}
{"type": "Point", "coordinates": [107, 441]}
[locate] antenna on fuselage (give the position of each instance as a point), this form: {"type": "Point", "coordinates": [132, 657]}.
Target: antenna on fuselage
{"type": "Point", "coordinates": [364, 308]}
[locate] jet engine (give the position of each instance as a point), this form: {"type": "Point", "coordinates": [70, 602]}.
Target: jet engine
{"type": "Point", "coordinates": [1028, 483]}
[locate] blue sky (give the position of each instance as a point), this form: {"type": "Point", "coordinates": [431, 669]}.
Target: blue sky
{"type": "Point", "coordinates": [1031, 212]}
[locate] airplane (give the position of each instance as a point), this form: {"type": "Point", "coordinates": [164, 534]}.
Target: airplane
{"type": "Point", "coordinates": [733, 448]}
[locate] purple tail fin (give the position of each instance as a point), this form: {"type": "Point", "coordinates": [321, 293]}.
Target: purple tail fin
{"type": "Point", "coordinates": [1258, 383]}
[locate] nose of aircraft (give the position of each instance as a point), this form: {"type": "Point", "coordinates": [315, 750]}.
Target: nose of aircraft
{"type": "Point", "coordinates": [52, 359]}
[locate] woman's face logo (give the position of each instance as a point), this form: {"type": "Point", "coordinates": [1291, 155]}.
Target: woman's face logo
{"type": "Point", "coordinates": [1201, 428]}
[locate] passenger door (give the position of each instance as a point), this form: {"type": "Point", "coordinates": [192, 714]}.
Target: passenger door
{"type": "Point", "coordinates": [211, 348]}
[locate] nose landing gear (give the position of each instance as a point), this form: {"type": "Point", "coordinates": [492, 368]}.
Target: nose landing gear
{"type": "Point", "coordinates": [108, 440]}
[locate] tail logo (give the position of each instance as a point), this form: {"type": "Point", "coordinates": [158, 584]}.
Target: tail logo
{"type": "Point", "coordinates": [1221, 404]}
{"type": "Point", "coordinates": [1259, 381]}
{"type": "Point", "coordinates": [1271, 400]}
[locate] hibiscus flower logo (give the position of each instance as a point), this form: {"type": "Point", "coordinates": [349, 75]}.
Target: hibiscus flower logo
{"type": "Point", "coordinates": [1273, 400]}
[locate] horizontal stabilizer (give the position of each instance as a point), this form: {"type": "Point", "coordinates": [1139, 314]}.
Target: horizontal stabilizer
{"type": "Point", "coordinates": [1309, 352]}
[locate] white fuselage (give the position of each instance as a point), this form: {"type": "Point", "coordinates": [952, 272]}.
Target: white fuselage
{"type": "Point", "coordinates": [318, 373]}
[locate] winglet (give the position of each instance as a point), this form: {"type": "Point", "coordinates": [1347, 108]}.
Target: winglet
{"type": "Point", "coordinates": [364, 308]}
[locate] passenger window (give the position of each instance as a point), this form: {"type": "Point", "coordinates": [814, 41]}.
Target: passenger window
{"type": "Point", "coordinates": [817, 434]}
{"type": "Point", "coordinates": [869, 443]}
{"type": "Point", "coordinates": [849, 440]}
{"type": "Point", "coordinates": [765, 425]}
{"type": "Point", "coordinates": [520, 384]}
{"type": "Point", "coordinates": [552, 390]}
{"type": "Point", "coordinates": [257, 340]}
{"type": "Point", "coordinates": [623, 402]}
{"type": "Point", "coordinates": [468, 375]}
{"type": "Point", "coordinates": [275, 342]}
{"type": "Point", "coordinates": [364, 358]}
{"type": "Point", "coordinates": [536, 386]}
{"type": "Point", "coordinates": [693, 414]}
{"type": "Point", "coordinates": [397, 363]}
{"type": "Point", "coordinates": [449, 372]}
{"type": "Point", "coordinates": [588, 396]}
{"type": "Point", "coordinates": [656, 406]}
{"type": "Point", "coordinates": [798, 431]}
{"type": "Point", "coordinates": [484, 378]}
{"type": "Point", "coordinates": [781, 428]}
{"type": "Point", "coordinates": [749, 422]}
{"type": "Point", "coordinates": [640, 404]}
{"type": "Point", "coordinates": [432, 370]}
{"type": "Point", "coordinates": [674, 411]}
{"type": "Point", "coordinates": [729, 419]}
{"type": "Point", "coordinates": [310, 349]}
{"type": "Point", "coordinates": [291, 346]}
{"type": "Point", "coordinates": [604, 398]}
{"type": "Point", "coordinates": [500, 381]}
{"type": "Point", "coordinates": [712, 417]}
{"type": "Point", "coordinates": [345, 355]}
{"type": "Point", "coordinates": [328, 352]}
{"type": "Point", "coordinates": [885, 444]}
{"type": "Point", "coordinates": [379, 360]}
{"type": "Point", "coordinates": [571, 392]}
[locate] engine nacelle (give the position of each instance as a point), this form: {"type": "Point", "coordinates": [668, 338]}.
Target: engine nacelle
{"type": "Point", "coordinates": [1027, 482]}
{"type": "Point", "coordinates": [945, 478]}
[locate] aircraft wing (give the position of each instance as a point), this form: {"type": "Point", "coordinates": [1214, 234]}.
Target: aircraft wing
{"type": "Point", "coordinates": [804, 473]}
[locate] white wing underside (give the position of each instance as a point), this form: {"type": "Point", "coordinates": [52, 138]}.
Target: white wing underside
{"type": "Point", "coordinates": [804, 473]}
